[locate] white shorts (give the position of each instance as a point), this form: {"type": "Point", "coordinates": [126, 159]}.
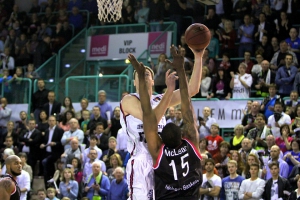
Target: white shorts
{"type": "Point", "coordinates": [140, 177]}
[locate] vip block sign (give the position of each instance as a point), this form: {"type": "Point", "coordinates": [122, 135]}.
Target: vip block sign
{"type": "Point", "coordinates": [118, 46]}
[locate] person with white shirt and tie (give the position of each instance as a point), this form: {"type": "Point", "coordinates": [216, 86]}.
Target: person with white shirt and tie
{"type": "Point", "coordinates": [52, 148]}
{"type": "Point", "coordinates": [74, 132]}
{"type": "Point", "coordinates": [30, 143]}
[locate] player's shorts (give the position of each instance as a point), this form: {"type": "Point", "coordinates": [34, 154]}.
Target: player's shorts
{"type": "Point", "coordinates": [140, 177]}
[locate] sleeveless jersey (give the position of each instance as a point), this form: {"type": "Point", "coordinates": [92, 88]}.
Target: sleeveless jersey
{"type": "Point", "coordinates": [134, 128]}
{"type": "Point", "coordinates": [178, 172]}
{"type": "Point", "coordinates": [15, 195]}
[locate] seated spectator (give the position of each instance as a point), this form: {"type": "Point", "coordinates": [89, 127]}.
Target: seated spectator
{"type": "Point", "coordinates": [68, 187]}
{"type": "Point", "coordinates": [7, 61]}
{"type": "Point", "coordinates": [58, 39]}
{"type": "Point", "coordinates": [76, 19]}
{"type": "Point", "coordinates": [115, 122]}
{"type": "Point", "coordinates": [8, 144]}
{"type": "Point", "coordinates": [267, 106]}
{"type": "Point", "coordinates": [51, 194]}
{"type": "Point", "coordinates": [263, 28]}
{"type": "Point", "coordinates": [141, 15]}
{"type": "Point", "coordinates": [256, 69]}
{"type": "Point", "coordinates": [22, 124]}
{"type": "Point", "coordinates": [213, 45]}
{"type": "Point", "coordinates": [73, 133]}
{"type": "Point", "coordinates": [10, 43]}
{"type": "Point", "coordinates": [94, 121]}
{"type": "Point", "coordinates": [241, 83]}
{"type": "Point", "coordinates": [252, 158]}
{"type": "Point", "coordinates": [25, 166]}
{"type": "Point", "coordinates": [283, 166]}
{"type": "Point", "coordinates": [270, 141]}
{"type": "Point", "coordinates": [41, 193]}
{"type": "Point", "coordinates": [118, 188]}
{"type": "Point", "coordinates": [44, 30]}
{"type": "Point", "coordinates": [246, 33]}
{"type": "Point", "coordinates": [294, 176]}
{"type": "Point", "coordinates": [292, 157]}
{"type": "Point", "coordinates": [247, 149]}
{"type": "Point", "coordinates": [7, 152]}
{"type": "Point", "coordinates": [32, 45]}
{"type": "Point", "coordinates": [294, 42]}
{"type": "Point", "coordinates": [73, 151]}
{"type": "Point", "coordinates": [49, 17]}
{"type": "Point", "coordinates": [225, 64]}
{"type": "Point", "coordinates": [211, 184]}
{"type": "Point", "coordinates": [159, 73]}
{"type": "Point", "coordinates": [205, 84]}
{"type": "Point", "coordinates": [236, 156]}
{"type": "Point", "coordinates": [248, 119]}
{"type": "Point", "coordinates": [236, 141]}
{"type": "Point", "coordinates": [295, 125]}
{"type": "Point", "coordinates": [35, 8]}
{"type": "Point", "coordinates": [94, 186]}
{"type": "Point", "coordinates": [205, 122]}
{"type": "Point", "coordinates": [77, 3]}
{"type": "Point", "coordinates": [291, 104]}
{"type": "Point", "coordinates": [285, 76]}
{"type": "Point", "coordinates": [10, 132]}
{"type": "Point", "coordinates": [221, 159]}
{"type": "Point", "coordinates": [102, 137]}
{"type": "Point", "coordinates": [115, 161]}
{"type": "Point", "coordinates": [122, 140]}
{"type": "Point", "coordinates": [227, 37]}
{"type": "Point", "coordinates": [93, 145]}
{"type": "Point", "coordinates": [263, 79]}
{"type": "Point", "coordinates": [252, 187]}
{"type": "Point", "coordinates": [67, 105]}
{"type": "Point", "coordinates": [248, 62]}
{"type": "Point", "coordinates": [278, 59]}
{"type": "Point", "coordinates": [220, 87]}
{"type": "Point", "coordinates": [42, 52]}
{"type": "Point", "coordinates": [283, 25]}
{"type": "Point", "coordinates": [78, 175]}
{"type": "Point", "coordinates": [112, 149]}
{"type": "Point", "coordinates": [203, 143]}
{"type": "Point", "coordinates": [66, 119]}
{"type": "Point", "coordinates": [211, 20]}
{"type": "Point", "coordinates": [34, 25]}
{"type": "Point", "coordinates": [231, 184]}
{"type": "Point", "coordinates": [295, 193]}
{"type": "Point", "coordinates": [93, 157]}
{"type": "Point", "coordinates": [20, 43]}
{"type": "Point", "coordinates": [178, 117]}
{"type": "Point", "coordinates": [209, 62]}
{"type": "Point", "coordinates": [31, 73]}
{"type": "Point", "coordinates": [68, 34]}
{"type": "Point", "coordinates": [259, 134]}
{"type": "Point", "coordinates": [214, 140]}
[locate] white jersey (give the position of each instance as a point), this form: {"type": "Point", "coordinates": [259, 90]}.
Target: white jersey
{"type": "Point", "coordinates": [134, 128]}
{"type": "Point", "coordinates": [239, 91]}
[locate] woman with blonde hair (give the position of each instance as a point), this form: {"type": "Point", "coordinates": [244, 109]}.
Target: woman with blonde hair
{"type": "Point", "coordinates": [236, 141]}
{"type": "Point", "coordinates": [115, 161]}
{"type": "Point", "coordinates": [68, 187]}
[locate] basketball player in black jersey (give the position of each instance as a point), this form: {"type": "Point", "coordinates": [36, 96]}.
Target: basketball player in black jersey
{"type": "Point", "coordinates": [9, 189]}
{"type": "Point", "coordinates": [175, 155]}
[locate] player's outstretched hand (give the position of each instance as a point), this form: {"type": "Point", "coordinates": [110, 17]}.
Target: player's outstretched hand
{"type": "Point", "coordinates": [171, 80]}
{"type": "Point", "coordinates": [178, 60]}
{"type": "Point", "coordinates": [139, 67]}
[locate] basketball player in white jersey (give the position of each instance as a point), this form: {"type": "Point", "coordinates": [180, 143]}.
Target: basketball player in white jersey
{"type": "Point", "coordinates": [139, 168]}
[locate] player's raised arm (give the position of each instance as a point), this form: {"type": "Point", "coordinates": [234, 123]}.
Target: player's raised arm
{"type": "Point", "coordinates": [187, 110]}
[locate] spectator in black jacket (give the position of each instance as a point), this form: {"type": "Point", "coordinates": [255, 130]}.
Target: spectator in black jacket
{"type": "Point", "coordinates": [156, 14]}
{"type": "Point", "coordinates": [43, 53]}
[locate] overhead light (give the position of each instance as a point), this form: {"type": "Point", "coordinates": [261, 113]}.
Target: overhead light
{"type": "Point", "coordinates": [67, 65]}
{"type": "Point", "coordinates": [82, 50]}
{"type": "Point", "coordinates": [100, 74]}
{"type": "Point", "coordinates": [51, 80]}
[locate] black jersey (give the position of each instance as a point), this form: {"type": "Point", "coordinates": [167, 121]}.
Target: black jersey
{"type": "Point", "coordinates": [178, 172]}
{"type": "Point", "coordinates": [15, 195]}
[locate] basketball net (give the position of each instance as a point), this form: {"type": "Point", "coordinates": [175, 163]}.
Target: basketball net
{"type": "Point", "coordinates": [109, 10]}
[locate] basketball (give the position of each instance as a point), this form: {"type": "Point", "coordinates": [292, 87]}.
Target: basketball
{"type": "Point", "coordinates": [197, 36]}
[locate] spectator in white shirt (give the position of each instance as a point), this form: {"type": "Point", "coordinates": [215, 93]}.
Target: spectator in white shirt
{"type": "Point", "coordinates": [74, 132]}
{"type": "Point", "coordinates": [241, 83]}
{"type": "Point", "coordinates": [23, 181]}
{"type": "Point", "coordinates": [205, 122]}
{"type": "Point", "coordinates": [87, 169]}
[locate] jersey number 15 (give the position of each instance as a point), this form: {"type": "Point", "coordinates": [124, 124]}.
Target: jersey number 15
{"type": "Point", "coordinates": [184, 164]}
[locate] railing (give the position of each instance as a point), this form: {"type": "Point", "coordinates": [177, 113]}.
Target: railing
{"type": "Point", "coordinates": [78, 87]}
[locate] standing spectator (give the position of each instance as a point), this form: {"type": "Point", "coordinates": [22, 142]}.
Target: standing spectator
{"type": "Point", "coordinates": [68, 187]}
{"type": "Point", "coordinates": [95, 187]}
{"type": "Point", "coordinates": [84, 103]}
{"type": "Point", "coordinates": [246, 33]}
{"type": "Point", "coordinates": [10, 42]}
{"type": "Point", "coordinates": [205, 122]}
{"type": "Point", "coordinates": [52, 148]}
{"type": "Point", "coordinates": [43, 52]}
{"type": "Point", "coordinates": [93, 145]}
{"type": "Point", "coordinates": [141, 15]}
{"type": "Point", "coordinates": [73, 151]}
{"type": "Point", "coordinates": [52, 107]}
{"type": "Point", "coordinates": [122, 140]}
{"type": "Point", "coordinates": [221, 159]}
{"type": "Point", "coordinates": [231, 184]}
{"type": "Point", "coordinates": [74, 3]}
{"type": "Point", "coordinates": [5, 114]}
{"type": "Point", "coordinates": [247, 149]}
{"type": "Point", "coordinates": [263, 28]}
{"type": "Point", "coordinates": [44, 30]}
{"type": "Point", "coordinates": [254, 186]}
{"type": "Point", "coordinates": [31, 73]}
{"type": "Point", "coordinates": [220, 87]}
{"type": "Point", "coordinates": [293, 157]}
{"type": "Point", "coordinates": [76, 19]}
{"type": "Point", "coordinates": [236, 141]}
{"type": "Point", "coordinates": [270, 142]}
{"type": "Point", "coordinates": [49, 17]}
{"type": "Point", "coordinates": [170, 116]}
{"type": "Point", "coordinates": [285, 76]}
{"type": "Point", "coordinates": [294, 42]}
{"type": "Point", "coordinates": [248, 62]}
{"type": "Point", "coordinates": [264, 79]}
{"type": "Point", "coordinates": [67, 105]}
{"type": "Point", "coordinates": [211, 185]}
{"type": "Point", "coordinates": [205, 84]}
{"type": "Point", "coordinates": [156, 14]}
{"type": "Point", "coordinates": [23, 181]}
{"type": "Point", "coordinates": [295, 193]}
{"type": "Point", "coordinates": [188, 64]}
{"type": "Point", "coordinates": [159, 73]}
{"type": "Point", "coordinates": [256, 69]}
{"type": "Point", "coordinates": [118, 188]}
{"type": "Point", "coordinates": [114, 162]}
{"type": "Point", "coordinates": [88, 166]}
{"type": "Point", "coordinates": [214, 140]}
{"type": "Point", "coordinates": [211, 20]}
{"type": "Point", "coordinates": [7, 61]}
{"type": "Point", "coordinates": [227, 38]}
{"type": "Point", "coordinates": [39, 98]}
{"type": "Point", "coordinates": [34, 25]}
{"type": "Point", "coordinates": [284, 140]}
{"type": "Point", "coordinates": [236, 156]}
{"type": "Point", "coordinates": [278, 119]}
{"type": "Point", "coordinates": [213, 45]}
{"type": "Point", "coordinates": [283, 166]}
{"type": "Point", "coordinates": [265, 48]}
{"type": "Point", "coordinates": [97, 118]}
{"type": "Point", "coordinates": [241, 83]}
{"type": "Point", "coordinates": [30, 142]}
{"type": "Point", "coordinates": [25, 166]}
{"type": "Point", "coordinates": [105, 107]}
{"type": "Point", "coordinates": [73, 133]}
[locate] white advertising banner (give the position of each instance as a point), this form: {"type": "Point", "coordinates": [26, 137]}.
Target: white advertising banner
{"type": "Point", "coordinates": [118, 46]}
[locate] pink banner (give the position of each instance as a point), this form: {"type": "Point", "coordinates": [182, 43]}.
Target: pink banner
{"type": "Point", "coordinates": [99, 45]}
{"type": "Point", "coordinates": [160, 45]}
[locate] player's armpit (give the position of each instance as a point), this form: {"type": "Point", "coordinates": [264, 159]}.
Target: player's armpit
{"type": "Point", "coordinates": [131, 105]}
{"type": "Point", "coordinates": [7, 187]}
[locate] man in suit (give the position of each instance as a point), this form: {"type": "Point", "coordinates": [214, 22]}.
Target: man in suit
{"type": "Point", "coordinates": [52, 146]}
{"type": "Point", "coordinates": [52, 107]}
{"type": "Point", "coordinates": [263, 28]}
{"type": "Point", "coordinates": [277, 186]}
{"type": "Point", "coordinates": [30, 142]}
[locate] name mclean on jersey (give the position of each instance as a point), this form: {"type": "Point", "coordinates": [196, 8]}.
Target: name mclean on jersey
{"type": "Point", "coordinates": [173, 152]}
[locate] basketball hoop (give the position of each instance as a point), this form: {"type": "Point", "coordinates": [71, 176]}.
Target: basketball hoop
{"type": "Point", "coordinates": [109, 10]}
{"type": "Point", "coordinates": [209, 2]}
